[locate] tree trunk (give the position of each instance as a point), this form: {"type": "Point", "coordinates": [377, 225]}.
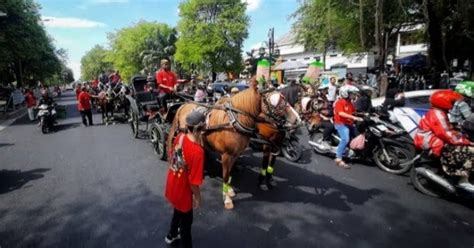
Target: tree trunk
{"type": "Point", "coordinates": [379, 39]}
{"type": "Point", "coordinates": [18, 73]}
{"type": "Point", "coordinates": [435, 40]}
{"type": "Point", "coordinates": [361, 23]}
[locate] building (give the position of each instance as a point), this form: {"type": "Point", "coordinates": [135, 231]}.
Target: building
{"type": "Point", "coordinates": [409, 42]}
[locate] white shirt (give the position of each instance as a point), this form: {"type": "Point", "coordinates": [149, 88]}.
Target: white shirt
{"type": "Point", "coordinates": [332, 93]}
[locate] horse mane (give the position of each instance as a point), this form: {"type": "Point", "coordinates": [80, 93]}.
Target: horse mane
{"type": "Point", "coordinates": [247, 101]}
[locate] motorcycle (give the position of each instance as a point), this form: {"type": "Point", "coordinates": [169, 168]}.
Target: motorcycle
{"type": "Point", "coordinates": [47, 116]}
{"type": "Point", "coordinates": [384, 145]}
{"type": "Point", "coordinates": [291, 148]}
{"type": "Point", "coordinates": [429, 178]}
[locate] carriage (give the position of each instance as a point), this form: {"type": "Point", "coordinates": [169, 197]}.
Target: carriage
{"type": "Point", "coordinates": [145, 110]}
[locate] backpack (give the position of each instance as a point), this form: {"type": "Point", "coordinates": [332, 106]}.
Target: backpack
{"type": "Point", "coordinates": [178, 164]}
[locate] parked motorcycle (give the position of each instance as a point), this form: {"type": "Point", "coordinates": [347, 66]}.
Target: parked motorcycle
{"type": "Point", "coordinates": [47, 116]}
{"type": "Point", "coordinates": [384, 145]}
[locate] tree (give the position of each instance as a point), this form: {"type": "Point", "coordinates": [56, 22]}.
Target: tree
{"type": "Point", "coordinates": [345, 25]}
{"type": "Point", "coordinates": [450, 32]}
{"type": "Point", "coordinates": [158, 46]}
{"type": "Point", "coordinates": [94, 62]}
{"type": "Point", "coordinates": [128, 44]}
{"type": "Point", "coordinates": [27, 53]}
{"type": "Point", "coordinates": [211, 35]}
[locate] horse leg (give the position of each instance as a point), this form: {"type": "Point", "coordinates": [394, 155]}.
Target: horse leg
{"type": "Point", "coordinates": [270, 168]}
{"type": "Point", "coordinates": [263, 172]}
{"type": "Point", "coordinates": [227, 162]}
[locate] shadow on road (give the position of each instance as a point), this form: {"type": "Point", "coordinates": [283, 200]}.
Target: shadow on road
{"type": "Point", "coordinates": [15, 179]}
{"type": "Point", "coordinates": [6, 144]}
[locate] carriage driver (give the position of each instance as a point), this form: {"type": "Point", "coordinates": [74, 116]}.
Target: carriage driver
{"type": "Point", "coordinates": [166, 83]}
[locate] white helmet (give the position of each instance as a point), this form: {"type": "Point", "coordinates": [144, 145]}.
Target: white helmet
{"type": "Point", "coordinates": [346, 89]}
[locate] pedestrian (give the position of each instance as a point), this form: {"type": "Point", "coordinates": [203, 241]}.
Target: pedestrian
{"type": "Point", "coordinates": [332, 94]}
{"type": "Point", "coordinates": [349, 79]}
{"type": "Point", "coordinates": [84, 106]}
{"type": "Point", "coordinates": [30, 104]}
{"type": "Point", "coordinates": [185, 175]}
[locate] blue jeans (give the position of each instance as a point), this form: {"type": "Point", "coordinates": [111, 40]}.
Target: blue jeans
{"type": "Point", "coordinates": [344, 132]}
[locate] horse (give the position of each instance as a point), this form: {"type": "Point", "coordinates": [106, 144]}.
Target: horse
{"type": "Point", "coordinates": [231, 123]}
{"type": "Point", "coordinates": [279, 118]}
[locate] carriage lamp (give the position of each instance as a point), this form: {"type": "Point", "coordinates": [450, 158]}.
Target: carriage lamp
{"type": "Point", "coordinates": [276, 52]}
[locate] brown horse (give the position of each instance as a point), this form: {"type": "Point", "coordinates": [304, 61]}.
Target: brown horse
{"type": "Point", "coordinates": [229, 140]}
{"type": "Point", "coordinates": [281, 117]}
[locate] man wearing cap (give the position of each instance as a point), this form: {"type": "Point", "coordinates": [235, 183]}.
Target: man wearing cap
{"type": "Point", "coordinates": [166, 83]}
{"type": "Point", "coordinates": [185, 175]}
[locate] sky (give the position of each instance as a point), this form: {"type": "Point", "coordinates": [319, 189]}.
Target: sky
{"type": "Point", "coordinates": [78, 25]}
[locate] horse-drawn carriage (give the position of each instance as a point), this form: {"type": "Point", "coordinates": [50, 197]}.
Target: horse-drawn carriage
{"type": "Point", "coordinates": [144, 108]}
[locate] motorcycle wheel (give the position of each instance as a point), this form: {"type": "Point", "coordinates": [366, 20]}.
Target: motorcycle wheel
{"type": "Point", "coordinates": [292, 150]}
{"type": "Point", "coordinates": [399, 158]}
{"type": "Point", "coordinates": [44, 126]}
{"type": "Point", "coordinates": [158, 141]}
{"type": "Point", "coordinates": [316, 137]}
{"type": "Point", "coordinates": [424, 185]}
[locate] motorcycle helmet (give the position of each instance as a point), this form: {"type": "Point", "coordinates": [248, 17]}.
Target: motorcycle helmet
{"type": "Point", "coordinates": [444, 99]}
{"type": "Point", "coordinates": [345, 90]}
{"type": "Point", "coordinates": [465, 88]}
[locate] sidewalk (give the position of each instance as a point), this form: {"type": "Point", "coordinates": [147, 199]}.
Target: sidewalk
{"type": "Point", "coordinates": [6, 119]}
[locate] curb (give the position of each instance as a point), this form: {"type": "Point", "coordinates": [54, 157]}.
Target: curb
{"type": "Point", "coordinates": [12, 117]}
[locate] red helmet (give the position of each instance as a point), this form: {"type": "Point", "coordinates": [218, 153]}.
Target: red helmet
{"type": "Point", "coordinates": [444, 99]}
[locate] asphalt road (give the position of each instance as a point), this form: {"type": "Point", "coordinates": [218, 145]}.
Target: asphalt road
{"type": "Point", "coordinates": [99, 187]}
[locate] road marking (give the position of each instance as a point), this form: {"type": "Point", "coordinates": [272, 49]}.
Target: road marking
{"type": "Point", "coordinates": [7, 123]}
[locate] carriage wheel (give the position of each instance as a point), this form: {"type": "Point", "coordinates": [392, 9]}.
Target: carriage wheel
{"type": "Point", "coordinates": [158, 141]}
{"type": "Point", "coordinates": [134, 124]}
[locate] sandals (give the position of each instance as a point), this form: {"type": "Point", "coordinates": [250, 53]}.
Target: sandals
{"type": "Point", "coordinates": [342, 164]}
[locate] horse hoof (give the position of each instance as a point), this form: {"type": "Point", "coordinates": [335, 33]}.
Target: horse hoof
{"type": "Point", "coordinates": [229, 205]}
{"type": "Point", "coordinates": [263, 187]}
{"type": "Point", "coordinates": [231, 192]}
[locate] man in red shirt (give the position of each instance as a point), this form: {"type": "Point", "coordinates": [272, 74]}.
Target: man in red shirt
{"type": "Point", "coordinates": [166, 83]}
{"type": "Point", "coordinates": [84, 106]}
{"type": "Point", "coordinates": [30, 104]}
{"type": "Point", "coordinates": [185, 175]}
{"type": "Point", "coordinates": [343, 120]}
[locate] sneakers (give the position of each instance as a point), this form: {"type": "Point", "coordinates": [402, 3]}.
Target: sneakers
{"type": "Point", "coordinates": [170, 238]}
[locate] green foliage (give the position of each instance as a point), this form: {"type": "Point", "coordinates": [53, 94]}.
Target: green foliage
{"type": "Point", "coordinates": [94, 62]}
{"type": "Point", "coordinates": [27, 53]}
{"type": "Point", "coordinates": [211, 34]}
{"type": "Point", "coordinates": [128, 44]}
{"type": "Point", "coordinates": [159, 46]}
{"type": "Point", "coordinates": [343, 24]}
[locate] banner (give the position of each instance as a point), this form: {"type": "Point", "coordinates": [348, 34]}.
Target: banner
{"type": "Point", "coordinates": [263, 70]}
{"type": "Point", "coordinates": [313, 73]}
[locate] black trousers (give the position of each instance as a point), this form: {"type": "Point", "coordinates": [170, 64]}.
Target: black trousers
{"type": "Point", "coordinates": [183, 221]}
{"type": "Point", "coordinates": [87, 113]}
{"type": "Point", "coordinates": [162, 101]}
{"type": "Point", "coordinates": [328, 130]}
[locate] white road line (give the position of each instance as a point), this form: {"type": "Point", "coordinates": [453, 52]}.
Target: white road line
{"type": "Point", "coordinates": [7, 123]}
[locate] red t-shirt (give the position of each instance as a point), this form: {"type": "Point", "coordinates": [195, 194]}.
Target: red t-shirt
{"type": "Point", "coordinates": [30, 100]}
{"type": "Point", "coordinates": [343, 105]}
{"type": "Point", "coordinates": [178, 184]}
{"type": "Point", "coordinates": [167, 78]}
{"type": "Point", "coordinates": [84, 101]}
{"type": "Point", "coordinates": [78, 91]}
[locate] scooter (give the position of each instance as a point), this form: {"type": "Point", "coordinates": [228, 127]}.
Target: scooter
{"type": "Point", "coordinates": [429, 178]}
{"type": "Point", "coordinates": [47, 116]}
{"type": "Point", "coordinates": [381, 146]}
